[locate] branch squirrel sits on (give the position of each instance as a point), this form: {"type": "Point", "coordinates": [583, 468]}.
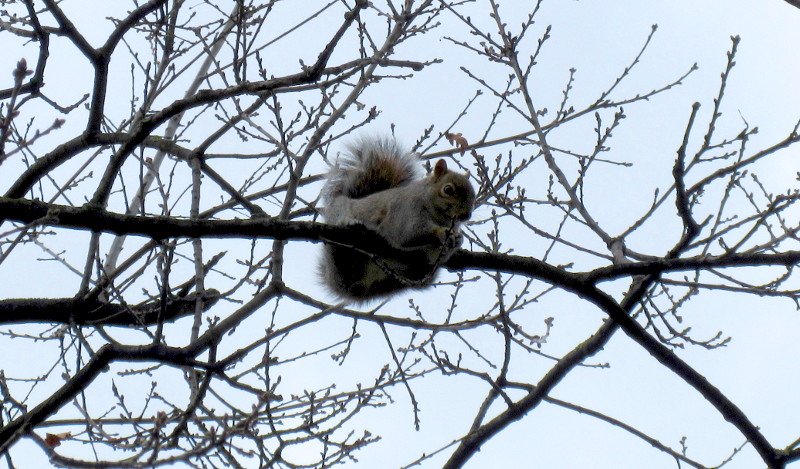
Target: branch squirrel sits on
{"type": "Point", "coordinates": [377, 185]}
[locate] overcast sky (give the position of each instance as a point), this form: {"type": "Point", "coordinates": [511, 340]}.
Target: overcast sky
{"type": "Point", "coordinates": [757, 370]}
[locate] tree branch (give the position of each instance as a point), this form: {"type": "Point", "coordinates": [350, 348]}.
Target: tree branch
{"type": "Point", "coordinates": [88, 218]}
{"type": "Point", "coordinates": [85, 312]}
{"type": "Point", "coordinates": [37, 80]}
{"type": "Point", "coordinates": [100, 362]}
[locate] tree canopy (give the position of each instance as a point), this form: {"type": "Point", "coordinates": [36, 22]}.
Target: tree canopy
{"type": "Point", "coordinates": [161, 167]}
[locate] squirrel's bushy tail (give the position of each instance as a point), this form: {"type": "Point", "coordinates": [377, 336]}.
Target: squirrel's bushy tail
{"type": "Point", "coordinates": [369, 166]}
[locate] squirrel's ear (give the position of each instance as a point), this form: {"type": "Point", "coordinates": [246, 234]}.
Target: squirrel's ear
{"type": "Point", "coordinates": [439, 169]}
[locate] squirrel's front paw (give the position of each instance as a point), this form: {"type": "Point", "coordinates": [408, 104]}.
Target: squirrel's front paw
{"type": "Point", "coordinates": [450, 245]}
{"type": "Point", "coordinates": [453, 241]}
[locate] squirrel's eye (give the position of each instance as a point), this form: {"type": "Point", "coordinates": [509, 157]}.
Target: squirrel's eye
{"type": "Point", "coordinates": [449, 190]}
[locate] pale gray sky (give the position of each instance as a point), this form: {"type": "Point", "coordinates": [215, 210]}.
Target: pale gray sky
{"type": "Point", "coordinates": [599, 38]}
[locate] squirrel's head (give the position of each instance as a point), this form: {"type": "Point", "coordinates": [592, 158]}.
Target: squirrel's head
{"type": "Point", "coordinates": [455, 197]}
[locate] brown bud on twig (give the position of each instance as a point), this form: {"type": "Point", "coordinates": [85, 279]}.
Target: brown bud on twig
{"type": "Point", "coordinates": [22, 70]}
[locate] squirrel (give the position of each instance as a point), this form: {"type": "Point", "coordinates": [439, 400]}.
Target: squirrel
{"type": "Point", "coordinates": [377, 185]}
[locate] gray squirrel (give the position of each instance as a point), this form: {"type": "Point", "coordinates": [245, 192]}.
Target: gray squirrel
{"type": "Point", "coordinates": [377, 185]}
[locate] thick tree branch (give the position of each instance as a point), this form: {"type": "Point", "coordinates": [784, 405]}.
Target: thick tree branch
{"type": "Point", "coordinates": [160, 227]}
{"type": "Point", "coordinates": [660, 266]}
{"type": "Point", "coordinates": [96, 313]}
